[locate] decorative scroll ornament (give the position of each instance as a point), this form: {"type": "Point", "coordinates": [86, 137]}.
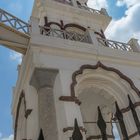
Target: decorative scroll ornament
{"type": "Point", "coordinates": [134, 113]}
{"type": "Point", "coordinates": [76, 133]}
{"type": "Point", "coordinates": [101, 124]}
{"type": "Point", "coordinates": [41, 136]}
{"type": "Point", "coordinates": [119, 116]}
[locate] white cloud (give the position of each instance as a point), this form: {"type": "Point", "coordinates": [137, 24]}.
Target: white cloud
{"type": "Point", "coordinates": [11, 137]}
{"type": "Point", "coordinates": [15, 56]}
{"type": "Point", "coordinates": [128, 3]}
{"type": "Point", "coordinates": [98, 4]}
{"type": "Point", "coordinates": [126, 27]}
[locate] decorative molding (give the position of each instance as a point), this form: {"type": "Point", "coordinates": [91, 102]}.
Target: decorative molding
{"type": "Point", "coordinates": [62, 26]}
{"type": "Point", "coordinates": [100, 65]}
{"type": "Point", "coordinates": [27, 112]}
{"type": "Point", "coordinates": [70, 99]}
{"type": "Point", "coordinates": [73, 98]}
{"type": "Point", "coordinates": [43, 77]}
{"type": "Point", "coordinates": [133, 135]}
{"type": "Point", "coordinates": [99, 137]}
{"type": "Point", "coordinates": [74, 25]}
{"type": "Point", "coordinates": [72, 128]}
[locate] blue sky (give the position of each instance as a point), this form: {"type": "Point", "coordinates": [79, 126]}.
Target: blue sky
{"type": "Point", "coordinates": [9, 60]}
{"type": "Point", "coordinates": [8, 67]}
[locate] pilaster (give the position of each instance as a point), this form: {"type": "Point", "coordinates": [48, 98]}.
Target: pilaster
{"type": "Point", "coordinates": [134, 44]}
{"type": "Point", "coordinates": [43, 81]}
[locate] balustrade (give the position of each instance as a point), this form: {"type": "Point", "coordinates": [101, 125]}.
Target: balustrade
{"type": "Point", "coordinates": [114, 44]}
{"type": "Point", "coordinates": [74, 36]}
{"type": "Point", "coordinates": [89, 9]}
{"type": "Point", "coordinates": [65, 34]}
{"type": "Point", "coordinates": [14, 22]}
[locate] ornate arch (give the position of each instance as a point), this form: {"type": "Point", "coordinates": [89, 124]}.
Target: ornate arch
{"type": "Point", "coordinates": [73, 98]}
{"type": "Point", "coordinates": [100, 65]}
{"type": "Point", "coordinates": [26, 111]}
{"type": "Point", "coordinates": [88, 72]}
{"type": "Point", "coordinates": [75, 25]}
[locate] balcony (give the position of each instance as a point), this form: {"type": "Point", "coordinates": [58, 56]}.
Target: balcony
{"type": "Point", "coordinates": [90, 38]}
{"type": "Point", "coordinates": [63, 34]}
{"type": "Point", "coordinates": [84, 7]}
{"type": "Point", "coordinates": [114, 44]}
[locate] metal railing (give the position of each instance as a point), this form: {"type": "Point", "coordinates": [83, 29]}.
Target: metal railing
{"type": "Point", "coordinates": [114, 44]}
{"type": "Point", "coordinates": [13, 22]}
{"type": "Point", "coordinates": [89, 9]}
{"type": "Point", "coordinates": [69, 2]}
{"type": "Point", "coordinates": [65, 34]}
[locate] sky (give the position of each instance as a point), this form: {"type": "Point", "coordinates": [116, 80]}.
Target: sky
{"type": "Point", "coordinates": [125, 25]}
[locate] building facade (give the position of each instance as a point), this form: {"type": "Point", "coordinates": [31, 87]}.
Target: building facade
{"type": "Point", "coordinates": [74, 83]}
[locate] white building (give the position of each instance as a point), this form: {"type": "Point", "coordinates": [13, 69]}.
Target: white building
{"type": "Point", "coordinates": [69, 69]}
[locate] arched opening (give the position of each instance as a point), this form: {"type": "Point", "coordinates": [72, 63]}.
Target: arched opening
{"type": "Point", "coordinates": [91, 98]}
{"type": "Point", "coordinates": [20, 122]}
{"type": "Point", "coordinates": [99, 86]}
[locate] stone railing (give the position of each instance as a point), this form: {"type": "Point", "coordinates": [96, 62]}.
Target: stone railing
{"type": "Point", "coordinates": [115, 44]}
{"type": "Point", "coordinates": [69, 2]}
{"type": "Point", "coordinates": [65, 34]}
{"type": "Point", "coordinates": [89, 9]}
{"type": "Point", "coordinates": [13, 22]}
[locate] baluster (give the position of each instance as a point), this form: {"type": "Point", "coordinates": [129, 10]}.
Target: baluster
{"type": "Point", "coordinates": [101, 124]}
{"type": "Point", "coordinates": [41, 136]}
{"type": "Point", "coordinates": [76, 135]}
{"type": "Point", "coordinates": [119, 116]}
{"type": "Point", "coordinates": [134, 113]}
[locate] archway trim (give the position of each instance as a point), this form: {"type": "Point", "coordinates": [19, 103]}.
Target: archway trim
{"type": "Point", "coordinates": [73, 98]}
{"type": "Point", "coordinates": [100, 65]}
{"type": "Point", "coordinates": [27, 112]}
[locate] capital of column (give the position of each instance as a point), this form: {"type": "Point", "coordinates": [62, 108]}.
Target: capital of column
{"type": "Point", "coordinates": [43, 77]}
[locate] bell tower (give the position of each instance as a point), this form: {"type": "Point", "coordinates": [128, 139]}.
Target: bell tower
{"type": "Point", "coordinates": [73, 83]}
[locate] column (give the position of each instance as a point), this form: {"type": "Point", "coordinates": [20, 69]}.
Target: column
{"type": "Point", "coordinates": [43, 80]}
